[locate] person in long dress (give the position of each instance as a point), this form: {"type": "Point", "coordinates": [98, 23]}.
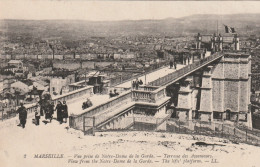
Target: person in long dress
{"type": "Point", "coordinates": [59, 112]}
{"type": "Point", "coordinates": [65, 113]}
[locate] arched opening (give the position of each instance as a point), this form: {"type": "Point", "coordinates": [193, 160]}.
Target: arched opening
{"type": "Point", "coordinates": [228, 114]}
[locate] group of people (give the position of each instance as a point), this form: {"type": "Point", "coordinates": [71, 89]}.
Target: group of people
{"type": "Point", "coordinates": [62, 112]}
{"type": "Point", "coordinates": [44, 109]}
{"type": "Point", "coordinates": [111, 94]}
{"type": "Point", "coordinates": [173, 63]}
{"type": "Point", "coordinates": [87, 104]}
{"type": "Point", "coordinates": [136, 83]}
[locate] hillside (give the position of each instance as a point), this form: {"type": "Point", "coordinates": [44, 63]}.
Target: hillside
{"type": "Point", "coordinates": [80, 29]}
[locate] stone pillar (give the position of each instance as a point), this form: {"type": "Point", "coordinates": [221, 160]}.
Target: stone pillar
{"type": "Point", "coordinates": [220, 43]}
{"type": "Point", "coordinates": [198, 43]}
{"type": "Point", "coordinates": [206, 109]}
{"type": "Point", "coordinates": [184, 106]}
{"type": "Point", "coordinates": [212, 43]}
{"type": "Point", "coordinates": [249, 119]}
{"type": "Point", "coordinates": [236, 42]}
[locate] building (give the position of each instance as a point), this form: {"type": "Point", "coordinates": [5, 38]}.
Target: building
{"type": "Point", "coordinates": [16, 63]}
{"type": "Point", "coordinates": [60, 85]}
{"type": "Point", "coordinates": [219, 91]}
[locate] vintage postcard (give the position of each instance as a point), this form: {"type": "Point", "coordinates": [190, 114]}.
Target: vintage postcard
{"type": "Point", "coordinates": [129, 83]}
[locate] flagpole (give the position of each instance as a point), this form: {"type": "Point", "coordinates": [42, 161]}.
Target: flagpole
{"type": "Point", "coordinates": [217, 27]}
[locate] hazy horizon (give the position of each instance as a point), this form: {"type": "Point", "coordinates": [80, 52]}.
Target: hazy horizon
{"type": "Point", "coordinates": [127, 19]}
{"type": "Point", "coordinates": [120, 10]}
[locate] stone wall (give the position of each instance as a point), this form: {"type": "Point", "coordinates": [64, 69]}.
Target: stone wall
{"type": "Point", "coordinates": [231, 82]}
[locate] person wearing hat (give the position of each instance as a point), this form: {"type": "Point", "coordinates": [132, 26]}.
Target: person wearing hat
{"type": "Point", "coordinates": [22, 115]}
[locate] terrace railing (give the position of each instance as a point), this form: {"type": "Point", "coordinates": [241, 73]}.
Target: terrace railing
{"type": "Point", "coordinates": [185, 70]}
{"type": "Point", "coordinates": [171, 125]}
{"type": "Point", "coordinates": [121, 79]}
{"type": "Point", "coordinates": [76, 121]}
{"type": "Point", "coordinates": [112, 106]}
{"type": "Point", "coordinates": [6, 114]}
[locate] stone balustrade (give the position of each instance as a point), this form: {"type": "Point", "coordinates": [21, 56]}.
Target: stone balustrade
{"type": "Point", "coordinates": [141, 95]}
{"type": "Point", "coordinates": [76, 121]}
{"type": "Point", "coordinates": [73, 94]}
{"type": "Point", "coordinates": [148, 88]}
{"type": "Point", "coordinates": [158, 94]}
{"type": "Point", "coordinates": [102, 111]}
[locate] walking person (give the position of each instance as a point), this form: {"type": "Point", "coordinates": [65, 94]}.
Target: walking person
{"type": "Point", "coordinates": [22, 115]}
{"type": "Point", "coordinates": [37, 115]}
{"type": "Point", "coordinates": [59, 112]}
{"type": "Point", "coordinates": [65, 113]}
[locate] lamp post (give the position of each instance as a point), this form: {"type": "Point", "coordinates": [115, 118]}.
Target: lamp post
{"type": "Point", "coordinates": [144, 77]}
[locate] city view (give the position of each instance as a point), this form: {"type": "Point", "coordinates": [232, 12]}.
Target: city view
{"type": "Point", "coordinates": [130, 89]}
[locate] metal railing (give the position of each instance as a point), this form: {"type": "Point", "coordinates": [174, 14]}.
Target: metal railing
{"type": "Point", "coordinates": [126, 77]}
{"type": "Point", "coordinates": [185, 70]}
{"type": "Point", "coordinates": [192, 127]}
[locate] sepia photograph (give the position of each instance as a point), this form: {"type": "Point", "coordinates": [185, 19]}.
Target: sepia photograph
{"type": "Point", "coordinates": [129, 83]}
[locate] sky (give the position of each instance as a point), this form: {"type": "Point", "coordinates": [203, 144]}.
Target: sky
{"type": "Point", "coordinates": [118, 10]}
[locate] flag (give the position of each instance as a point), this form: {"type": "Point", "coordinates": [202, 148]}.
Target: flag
{"type": "Point", "coordinates": [229, 29]}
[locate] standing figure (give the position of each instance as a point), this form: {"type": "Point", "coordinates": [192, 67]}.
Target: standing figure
{"type": "Point", "coordinates": [51, 108]}
{"type": "Point", "coordinates": [22, 115]}
{"type": "Point", "coordinates": [37, 115]}
{"type": "Point", "coordinates": [175, 64]}
{"type": "Point", "coordinates": [133, 84]}
{"type": "Point", "coordinates": [48, 111]}
{"type": "Point", "coordinates": [59, 111]}
{"type": "Point", "coordinates": [136, 84]}
{"type": "Point", "coordinates": [65, 113]}
{"type": "Point", "coordinates": [171, 64]}
{"type": "Point", "coordinates": [140, 82]}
